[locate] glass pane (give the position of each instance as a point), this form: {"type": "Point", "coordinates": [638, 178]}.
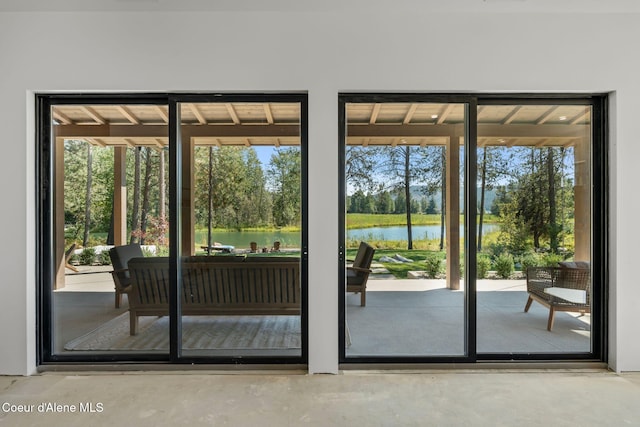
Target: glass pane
{"type": "Point", "coordinates": [110, 212]}
{"type": "Point", "coordinates": [242, 219]}
{"type": "Point", "coordinates": [534, 240]}
{"type": "Point", "coordinates": [405, 202]}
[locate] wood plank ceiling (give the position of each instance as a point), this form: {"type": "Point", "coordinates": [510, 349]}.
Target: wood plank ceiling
{"type": "Point", "coordinates": [278, 124]}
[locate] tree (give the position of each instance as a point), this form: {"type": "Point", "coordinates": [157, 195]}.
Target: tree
{"type": "Point", "coordinates": [87, 210]}
{"type": "Point", "coordinates": [402, 165]}
{"type": "Point", "coordinates": [144, 215]}
{"type": "Point", "coordinates": [384, 202]}
{"type": "Point", "coordinates": [531, 208]}
{"type": "Point", "coordinates": [284, 180]}
{"type": "Point", "coordinates": [360, 164]}
{"type": "Point", "coordinates": [491, 168]}
{"type": "Point", "coordinates": [431, 206]}
{"type": "Point", "coordinates": [135, 211]}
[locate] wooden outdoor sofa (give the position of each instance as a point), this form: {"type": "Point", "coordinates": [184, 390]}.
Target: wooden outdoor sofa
{"type": "Point", "coordinates": [217, 285]}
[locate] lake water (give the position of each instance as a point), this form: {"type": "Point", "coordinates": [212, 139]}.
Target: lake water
{"type": "Point", "coordinates": [242, 239]}
{"type": "Point", "coordinates": [419, 232]}
{"type": "Point", "coordinates": [265, 239]}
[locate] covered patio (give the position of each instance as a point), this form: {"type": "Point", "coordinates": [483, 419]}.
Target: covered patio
{"type": "Point", "coordinates": [403, 317]}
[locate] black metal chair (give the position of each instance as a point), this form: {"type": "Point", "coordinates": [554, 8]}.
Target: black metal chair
{"type": "Point", "coordinates": [120, 256]}
{"type": "Point", "coordinates": [358, 273]}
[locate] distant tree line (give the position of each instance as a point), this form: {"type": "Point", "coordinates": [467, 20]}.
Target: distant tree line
{"type": "Point", "coordinates": [232, 190]}
{"type": "Point", "coordinates": [533, 189]}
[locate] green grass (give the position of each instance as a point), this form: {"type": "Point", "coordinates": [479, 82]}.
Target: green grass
{"type": "Point", "coordinates": [400, 270]}
{"type": "Point", "coordinates": [359, 220]}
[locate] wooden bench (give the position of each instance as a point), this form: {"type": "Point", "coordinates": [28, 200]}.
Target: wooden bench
{"type": "Point", "coordinates": [216, 285]}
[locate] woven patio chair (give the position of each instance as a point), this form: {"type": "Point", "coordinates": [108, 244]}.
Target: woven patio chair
{"type": "Point", "coordinates": [564, 288]}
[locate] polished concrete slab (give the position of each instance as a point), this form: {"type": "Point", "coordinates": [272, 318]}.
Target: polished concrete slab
{"type": "Point", "coordinates": [353, 398]}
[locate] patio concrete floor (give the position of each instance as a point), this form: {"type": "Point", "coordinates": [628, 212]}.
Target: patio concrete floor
{"type": "Point", "coordinates": [408, 317]}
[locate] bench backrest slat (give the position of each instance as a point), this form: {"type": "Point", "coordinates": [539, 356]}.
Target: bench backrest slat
{"type": "Point", "coordinates": [259, 284]}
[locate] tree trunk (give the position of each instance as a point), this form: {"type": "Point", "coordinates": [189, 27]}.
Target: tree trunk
{"type": "Point", "coordinates": [87, 205]}
{"type": "Point", "coordinates": [443, 199]}
{"type": "Point", "coordinates": [135, 212]}
{"type": "Point", "coordinates": [144, 215]}
{"type": "Point", "coordinates": [483, 184]}
{"type": "Point", "coordinates": [162, 212]}
{"type": "Point", "coordinates": [407, 193]}
{"type": "Point", "coordinates": [210, 202]}
{"type": "Point", "coordinates": [553, 226]}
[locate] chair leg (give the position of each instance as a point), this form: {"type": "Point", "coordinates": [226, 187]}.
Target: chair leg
{"type": "Point", "coordinates": [363, 298]}
{"type": "Point", "coordinates": [552, 312]}
{"type": "Point", "coordinates": [528, 306]}
{"type": "Point", "coordinates": [118, 299]}
{"type": "Point", "coordinates": [133, 323]}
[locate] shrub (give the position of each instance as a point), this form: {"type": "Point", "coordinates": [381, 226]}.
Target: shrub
{"type": "Point", "coordinates": [434, 265]}
{"type": "Point", "coordinates": [105, 258]}
{"type": "Point", "coordinates": [146, 252]}
{"type": "Point", "coordinates": [530, 260]}
{"type": "Point", "coordinates": [504, 265]}
{"type": "Point", "coordinates": [483, 266]}
{"type": "Point", "coordinates": [551, 260]}
{"type": "Point", "coordinates": [87, 256]}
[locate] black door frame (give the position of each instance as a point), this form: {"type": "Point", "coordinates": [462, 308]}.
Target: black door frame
{"type": "Point", "coordinates": [600, 203]}
{"type": "Point", "coordinates": [44, 224]}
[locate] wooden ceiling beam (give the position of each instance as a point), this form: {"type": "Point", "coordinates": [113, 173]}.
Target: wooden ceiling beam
{"type": "Point", "coordinates": [487, 130]}
{"type": "Point", "coordinates": [128, 114]}
{"type": "Point", "coordinates": [580, 117]}
{"type": "Point", "coordinates": [268, 113]}
{"type": "Point", "coordinates": [232, 113]}
{"type": "Point", "coordinates": [162, 131]}
{"type": "Point", "coordinates": [444, 113]}
{"type": "Point", "coordinates": [410, 113]}
{"type": "Point", "coordinates": [93, 114]}
{"type": "Point", "coordinates": [196, 112]}
{"type": "Point", "coordinates": [374, 114]}
{"type": "Point", "coordinates": [546, 115]}
{"type": "Point", "coordinates": [61, 118]}
{"type": "Point", "coordinates": [163, 114]}
{"type": "Point", "coordinates": [512, 115]}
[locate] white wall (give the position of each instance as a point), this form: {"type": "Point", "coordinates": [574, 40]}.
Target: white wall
{"type": "Point", "coordinates": [324, 53]}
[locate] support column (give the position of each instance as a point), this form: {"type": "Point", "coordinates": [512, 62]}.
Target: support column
{"type": "Point", "coordinates": [188, 200]}
{"type": "Point", "coordinates": [582, 197]}
{"type": "Point", "coordinates": [119, 196]}
{"type": "Point", "coordinates": [452, 213]}
{"type": "Point", "coordinates": [58, 213]}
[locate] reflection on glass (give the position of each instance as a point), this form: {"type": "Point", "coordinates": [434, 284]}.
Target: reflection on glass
{"type": "Point", "coordinates": [241, 290]}
{"type": "Point", "coordinates": [534, 186]}
{"type": "Point", "coordinates": [404, 188]}
{"type": "Point", "coordinates": [111, 196]}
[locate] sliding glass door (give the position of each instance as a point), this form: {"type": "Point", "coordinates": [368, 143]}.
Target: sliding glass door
{"type": "Point", "coordinates": [535, 191]}
{"type": "Point", "coordinates": [242, 235]}
{"type": "Point", "coordinates": [173, 228]}
{"type": "Point", "coordinates": [426, 278]}
{"type": "Point", "coordinates": [404, 197]}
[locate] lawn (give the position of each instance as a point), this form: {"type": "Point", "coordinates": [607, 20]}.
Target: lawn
{"type": "Point", "coordinates": [400, 270]}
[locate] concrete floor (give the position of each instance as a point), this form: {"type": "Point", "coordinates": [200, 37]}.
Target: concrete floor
{"type": "Point", "coordinates": [354, 398]}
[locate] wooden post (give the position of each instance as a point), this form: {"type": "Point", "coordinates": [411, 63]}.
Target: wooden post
{"type": "Point", "coordinates": [119, 196]}
{"type": "Point", "coordinates": [452, 214]}
{"type": "Point", "coordinates": [582, 195]}
{"type": "Point", "coordinates": [58, 213]}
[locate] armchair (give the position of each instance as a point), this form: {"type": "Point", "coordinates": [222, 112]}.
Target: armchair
{"type": "Point", "coordinates": [120, 256]}
{"type": "Point", "coordinates": [358, 273]}
{"type": "Point", "coordinates": [564, 288]}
